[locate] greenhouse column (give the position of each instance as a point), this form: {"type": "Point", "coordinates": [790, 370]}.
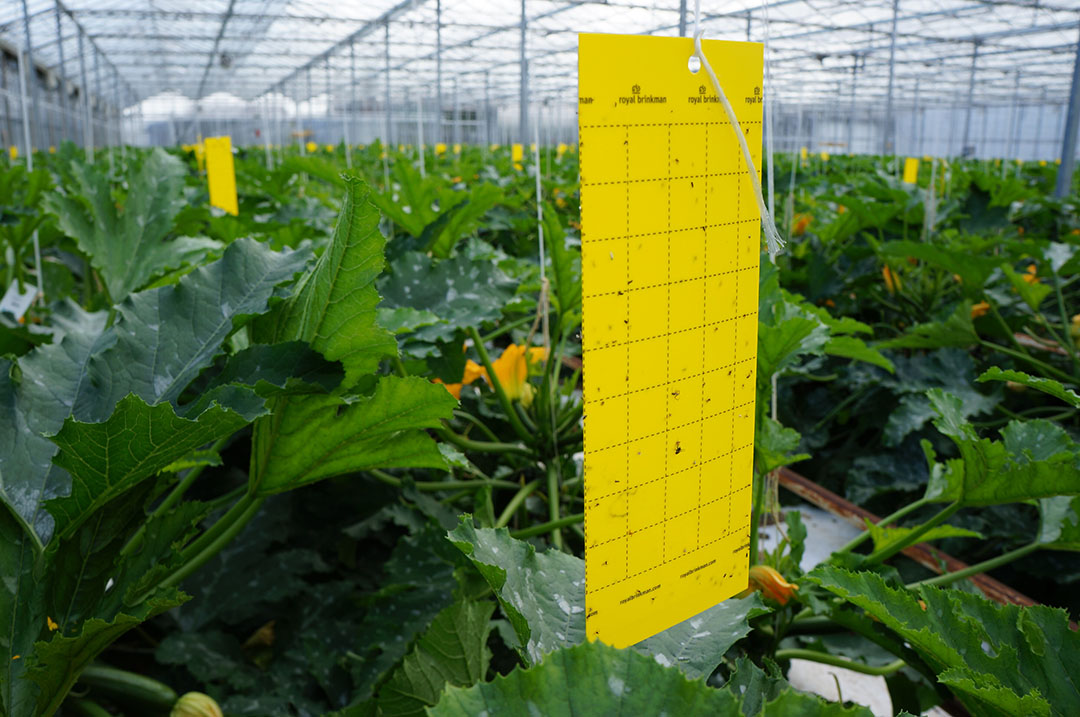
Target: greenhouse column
{"type": "Point", "coordinates": [523, 94]}
{"type": "Point", "coordinates": [487, 109]}
{"type": "Point", "coordinates": [68, 125]}
{"type": "Point", "coordinates": [31, 76]}
{"type": "Point", "coordinates": [438, 72]}
{"type": "Point", "coordinates": [888, 139]}
{"type": "Point", "coordinates": [851, 114]}
{"type": "Point", "coordinates": [84, 95]}
{"type": "Point", "coordinates": [970, 100]}
{"type": "Point", "coordinates": [682, 18]}
{"type": "Point", "coordinates": [386, 57]}
{"type": "Point", "coordinates": [1068, 144]}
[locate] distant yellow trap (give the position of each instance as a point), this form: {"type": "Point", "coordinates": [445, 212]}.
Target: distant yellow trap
{"type": "Point", "coordinates": [670, 246]}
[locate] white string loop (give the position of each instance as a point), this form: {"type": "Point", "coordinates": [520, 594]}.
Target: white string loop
{"type": "Point", "coordinates": [773, 242]}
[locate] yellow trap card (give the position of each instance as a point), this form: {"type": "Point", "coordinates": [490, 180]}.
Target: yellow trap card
{"type": "Point", "coordinates": [670, 242]}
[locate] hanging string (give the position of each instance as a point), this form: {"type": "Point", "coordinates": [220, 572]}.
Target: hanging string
{"type": "Point", "coordinates": [773, 242]}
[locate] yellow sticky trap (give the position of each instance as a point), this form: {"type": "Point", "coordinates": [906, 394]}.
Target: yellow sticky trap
{"type": "Point", "coordinates": [824, 156]}
{"type": "Point", "coordinates": [457, 149]}
{"type": "Point", "coordinates": [670, 245]}
{"type": "Point", "coordinates": [803, 153]}
{"type": "Point", "coordinates": [560, 149]}
{"type": "Point", "coordinates": [329, 148]}
{"type": "Point", "coordinates": [311, 147]}
{"type": "Point", "coordinates": [493, 147]}
{"type": "Point", "coordinates": [52, 149]}
{"type": "Point", "coordinates": [911, 170]}
{"type": "Point", "coordinates": [221, 175]}
{"type": "Point", "coordinates": [13, 152]}
{"type": "Point", "coordinates": [1042, 162]}
{"type": "Point", "coordinates": [517, 152]}
{"type": "Point", "coordinates": [440, 148]}
{"type": "Point", "coordinates": [200, 156]}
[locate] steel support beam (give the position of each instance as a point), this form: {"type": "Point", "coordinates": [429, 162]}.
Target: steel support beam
{"type": "Point", "coordinates": [888, 140]}
{"type": "Point", "coordinates": [1068, 142]}
{"type": "Point", "coordinates": [682, 18]}
{"type": "Point", "coordinates": [970, 100]}
{"type": "Point", "coordinates": [523, 90]}
{"type": "Point", "coordinates": [31, 78]}
{"type": "Point", "coordinates": [438, 72]}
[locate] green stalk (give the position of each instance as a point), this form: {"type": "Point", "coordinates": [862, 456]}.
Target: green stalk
{"type": "Point", "coordinates": [508, 409]}
{"type": "Point", "coordinates": [542, 528]}
{"type": "Point", "coordinates": [433, 486]}
{"type": "Point", "coordinates": [827, 659]}
{"type": "Point", "coordinates": [913, 537]}
{"type": "Point", "coordinates": [222, 523]}
{"type": "Point", "coordinates": [467, 444]}
{"type": "Point", "coordinates": [466, 416]}
{"type": "Point", "coordinates": [1061, 375]}
{"type": "Point", "coordinates": [984, 566]}
{"type": "Point", "coordinates": [172, 499]}
{"type": "Point", "coordinates": [755, 515]}
{"type": "Point", "coordinates": [506, 328]}
{"type": "Point", "coordinates": [199, 559]}
{"type": "Point", "coordinates": [553, 503]}
{"type": "Point", "coordinates": [887, 520]}
{"type": "Point", "coordinates": [1065, 323]}
{"type": "Point", "coordinates": [508, 512]}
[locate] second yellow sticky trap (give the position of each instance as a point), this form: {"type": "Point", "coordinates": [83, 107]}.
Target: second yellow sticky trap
{"type": "Point", "coordinates": [911, 170]}
{"type": "Point", "coordinates": [670, 246]}
{"type": "Point", "coordinates": [221, 175]}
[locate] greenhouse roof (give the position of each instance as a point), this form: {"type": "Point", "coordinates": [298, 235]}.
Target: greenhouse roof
{"type": "Point", "coordinates": [819, 49]}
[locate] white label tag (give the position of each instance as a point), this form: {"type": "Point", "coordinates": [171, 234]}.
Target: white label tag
{"type": "Point", "coordinates": [16, 302]}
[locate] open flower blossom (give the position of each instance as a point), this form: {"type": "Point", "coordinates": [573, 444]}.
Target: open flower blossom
{"type": "Point", "coordinates": [892, 280]}
{"type": "Point", "coordinates": [802, 221]}
{"type": "Point", "coordinates": [771, 583]}
{"type": "Point", "coordinates": [473, 371]}
{"type": "Point", "coordinates": [512, 369]}
{"type": "Point", "coordinates": [979, 309]}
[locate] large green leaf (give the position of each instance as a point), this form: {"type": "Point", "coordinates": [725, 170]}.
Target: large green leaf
{"type": "Point", "coordinates": [160, 342]}
{"type": "Point", "coordinates": [1001, 659]}
{"type": "Point", "coordinates": [956, 330]}
{"type": "Point", "coordinates": [973, 263]}
{"type": "Point", "coordinates": [595, 680]}
{"type": "Point", "coordinates": [442, 235]}
{"type": "Point", "coordinates": [1032, 293]}
{"type": "Point", "coordinates": [885, 538]}
{"type": "Point", "coordinates": [697, 645]}
{"type": "Point", "coordinates": [127, 246]}
{"type": "Point", "coordinates": [565, 264]}
{"type": "Point", "coordinates": [1046, 385]}
{"type": "Point", "coordinates": [1059, 523]}
{"type": "Point", "coordinates": [543, 595]}
{"type": "Point", "coordinates": [461, 291]}
{"type": "Point", "coordinates": [334, 307]}
{"type": "Point", "coordinates": [587, 680]}
{"type": "Point", "coordinates": [107, 459]}
{"type": "Point", "coordinates": [453, 651]}
{"type": "Point", "coordinates": [1035, 459]}
{"type": "Point", "coordinates": [314, 437]}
